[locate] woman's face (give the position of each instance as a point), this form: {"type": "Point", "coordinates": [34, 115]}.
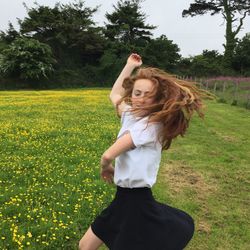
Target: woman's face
{"type": "Point", "coordinates": [142, 87]}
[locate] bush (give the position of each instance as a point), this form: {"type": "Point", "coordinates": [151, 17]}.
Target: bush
{"type": "Point", "coordinates": [26, 59]}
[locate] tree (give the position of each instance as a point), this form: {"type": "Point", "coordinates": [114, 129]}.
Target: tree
{"type": "Point", "coordinates": [27, 58]}
{"type": "Point", "coordinates": [110, 65]}
{"type": "Point", "coordinates": [162, 53]}
{"type": "Point", "coordinates": [10, 35]}
{"type": "Point", "coordinates": [68, 29]}
{"type": "Point", "coordinates": [125, 32]}
{"type": "Point", "coordinates": [241, 61]}
{"type": "Point", "coordinates": [127, 24]}
{"type": "Point", "coordinates": [183, 66]}
{"type": "Point", "coordinates": [233, 11]}
{"type": "Point", "coordinates": [206, 64]}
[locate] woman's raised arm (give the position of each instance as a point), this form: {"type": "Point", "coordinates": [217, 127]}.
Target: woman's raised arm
{"type": "Point", "coordinates": [133, 61]}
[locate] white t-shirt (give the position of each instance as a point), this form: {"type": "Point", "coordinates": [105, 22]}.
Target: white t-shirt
{"type": "Point", "coordinates": [138, 167]}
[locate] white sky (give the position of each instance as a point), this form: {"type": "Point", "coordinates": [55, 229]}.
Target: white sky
{"type": "Point", "coordinates": [192, 35]}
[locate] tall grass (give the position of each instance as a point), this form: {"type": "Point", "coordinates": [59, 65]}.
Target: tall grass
{"type": "Point", "coordinates": [231, 90]}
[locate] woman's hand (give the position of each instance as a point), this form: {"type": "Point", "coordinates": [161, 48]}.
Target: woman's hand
{"type": "Point", "coordinates": [107, 174]}
{"type": "Point", "coordinates": [134, 60]}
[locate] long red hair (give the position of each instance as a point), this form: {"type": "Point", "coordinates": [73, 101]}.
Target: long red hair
{"type": "Point", "coordinates": [175, 101]}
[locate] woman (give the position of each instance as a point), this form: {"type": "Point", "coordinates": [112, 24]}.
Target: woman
{"type": "Point", "coordinates": [154, 107]}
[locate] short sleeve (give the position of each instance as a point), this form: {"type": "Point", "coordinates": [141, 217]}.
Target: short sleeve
{"type": "Point", "coordinates": [126, 108]}
{"type": "Point", "coordinates": [143, 134]}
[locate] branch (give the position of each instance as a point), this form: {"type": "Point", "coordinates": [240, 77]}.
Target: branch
{"type": "Point", "coordinates": [241, 23]}
{"type": "Point", "coordinates": [232, 15]}
{"type": "Point", "coordinates": [201, 8]}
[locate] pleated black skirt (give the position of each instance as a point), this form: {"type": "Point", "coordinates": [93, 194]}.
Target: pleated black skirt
{"type": "Point", "coordinates": [134, 220]}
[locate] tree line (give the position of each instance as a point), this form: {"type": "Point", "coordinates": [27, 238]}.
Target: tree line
{"type": "Point", "coordinates": [62, 46]}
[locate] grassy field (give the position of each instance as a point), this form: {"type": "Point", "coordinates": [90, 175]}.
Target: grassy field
{"type": "Point", "coordinates": [50, 188]}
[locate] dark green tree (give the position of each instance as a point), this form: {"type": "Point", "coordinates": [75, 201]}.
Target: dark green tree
{"type": "Point", "coordinates": [161, 53]}
{"type": "Point", "coordinates": [26, 58]}
{"type": "Point", "coordinates": [233, 11]}
{"type": "Point", "coordinates": [10, 35]}
{"type": "Point", "coordinates": [68, 29]}
{"type": "Point", "coordinates": [207, 64]}
{"type": "Point", "coordinates": [126, 24]}
{"type": "Point", "coordinates": [126, 32]}
{"type": "Point", "coordinates": [183, 67]}
{"type": "Point", "coordinates": [241, 61]}
{"type": "Point", "coordinates": [111, 65]}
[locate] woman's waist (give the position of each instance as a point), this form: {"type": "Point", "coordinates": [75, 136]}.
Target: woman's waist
{"type": "Point", "coordinates": [136, 192]}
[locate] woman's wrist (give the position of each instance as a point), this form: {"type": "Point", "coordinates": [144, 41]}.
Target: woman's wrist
{"type": "Point", "coordinates": [104, 167]}
{"type": "Point", "coordinates": [105, 162]}
{"type": "Point", "coordinates": [134, 61]}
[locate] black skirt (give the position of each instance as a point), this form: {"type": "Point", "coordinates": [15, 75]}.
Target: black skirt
{"type": "Point", "coordinates": [134, 220]}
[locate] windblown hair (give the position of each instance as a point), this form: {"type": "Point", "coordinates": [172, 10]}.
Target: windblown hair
{"type": "Point", "coordinates": [175, 101]}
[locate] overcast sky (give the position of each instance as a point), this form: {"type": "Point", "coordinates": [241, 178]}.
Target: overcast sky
{"type": "Point", "coordinates": [192, 35]}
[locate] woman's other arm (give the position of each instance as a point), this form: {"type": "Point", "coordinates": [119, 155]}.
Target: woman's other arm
{"type": "Point", "coordinates": [134, 60]}
{"type": "Point", "coordinates": [123, 144]}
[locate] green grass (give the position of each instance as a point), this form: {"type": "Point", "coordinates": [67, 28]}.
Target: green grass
{"type": "Point", "coordinates": [51, 144]}
{"type": "Point", "coordinates": [207, 174]}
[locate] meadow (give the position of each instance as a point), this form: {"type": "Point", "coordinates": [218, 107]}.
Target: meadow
{"type": "Point", "coordinates": [50, 187]}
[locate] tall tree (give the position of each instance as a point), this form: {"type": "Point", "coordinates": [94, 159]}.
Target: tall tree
{"type": "Point", "coordinates": [126, 23]}
{"type": "Point", "coordinates": [68, 29]}
{"type": "Point", "coordinates": [126, 32]}
{"type": "Point", "coordinates": [234, 12]}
